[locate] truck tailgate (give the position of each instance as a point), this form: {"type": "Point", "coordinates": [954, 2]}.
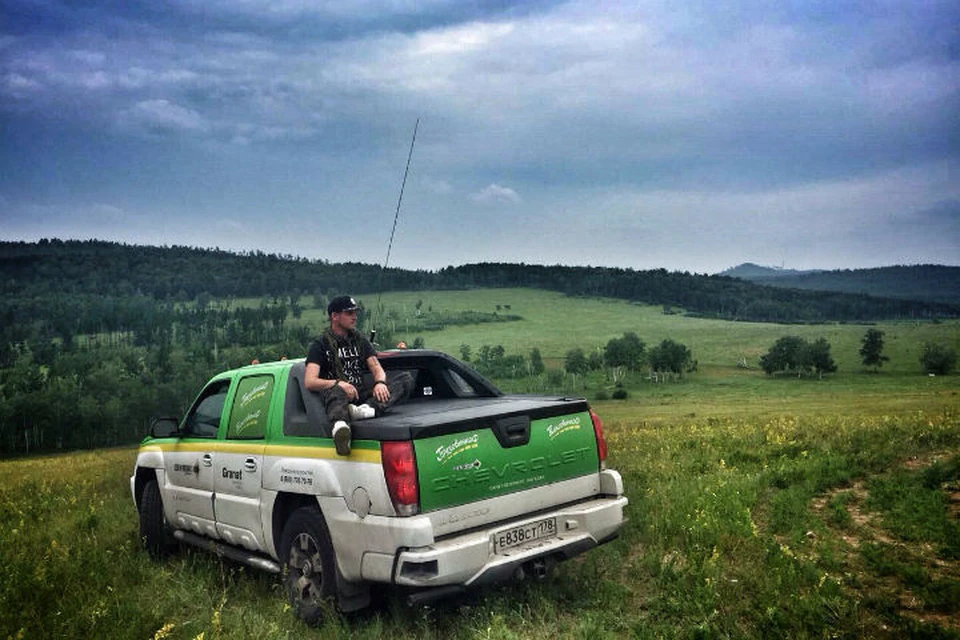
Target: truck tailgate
{"type": "Point", "coordinates": [485, 456]}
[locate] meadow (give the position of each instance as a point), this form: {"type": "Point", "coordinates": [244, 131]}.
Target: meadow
{"type": "Point", "coordinates": [759, 507]}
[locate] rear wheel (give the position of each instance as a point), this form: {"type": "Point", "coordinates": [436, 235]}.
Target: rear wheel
{"type": "Point", "coordinates": [310, 566]}
{"type": "Point", "coordinates": [154, 531]}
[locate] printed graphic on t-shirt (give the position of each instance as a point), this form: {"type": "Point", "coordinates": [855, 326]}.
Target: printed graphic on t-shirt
{"type": "Point", "coordinates": [351, 361]}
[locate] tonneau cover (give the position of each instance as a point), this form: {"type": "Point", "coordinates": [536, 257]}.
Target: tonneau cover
{"type": "Point", "coordinates": [425, 418]}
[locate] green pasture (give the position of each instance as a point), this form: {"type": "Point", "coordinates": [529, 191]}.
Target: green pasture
{"type": "Point", "coordinates": [556, 323]}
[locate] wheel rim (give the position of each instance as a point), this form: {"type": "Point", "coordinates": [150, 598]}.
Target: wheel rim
{"type": "Point", "coordinates": [306, 567]}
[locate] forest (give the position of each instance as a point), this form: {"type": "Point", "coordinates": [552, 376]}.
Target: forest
{"type": "Point", "coordinates": [97, 337]}
{"type": "Point", "coordinates": [931, 282]}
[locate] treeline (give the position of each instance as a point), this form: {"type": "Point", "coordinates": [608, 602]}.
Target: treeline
{"type": "Point", "coordinates": [100, 388]}
{"type": "Point", "coordinates": [929, 282]}
{"type": "Point", "coordinates": [180, 273]}
{"type": "Point", "coordinates": [701, 295]}
{"type": "Point", "coordinates": [33, 272]}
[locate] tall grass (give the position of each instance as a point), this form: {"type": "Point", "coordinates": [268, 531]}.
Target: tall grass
{"type": "Point", "coordinates": [721, 542]}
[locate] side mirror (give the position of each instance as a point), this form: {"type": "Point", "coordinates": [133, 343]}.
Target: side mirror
{"type": "Point", "coordinates": [165, 427]}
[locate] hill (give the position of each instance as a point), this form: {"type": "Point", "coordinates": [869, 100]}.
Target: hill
{"type": "Point", "coordinates": [750, 271]}
{"type": "Point", "coordinates": [89, 286]}
{"type": "Point", "coordinates": [926, 282]}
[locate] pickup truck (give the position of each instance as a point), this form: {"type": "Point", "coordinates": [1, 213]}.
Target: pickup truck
{"type": "Point", "coordinates": [458, 487]}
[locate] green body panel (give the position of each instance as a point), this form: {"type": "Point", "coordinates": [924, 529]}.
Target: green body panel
{"type": "Point", "coordinates": [469, 466]}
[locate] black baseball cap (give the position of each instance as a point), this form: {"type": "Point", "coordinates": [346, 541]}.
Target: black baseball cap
{"type": "Point", "coordinates": [341, 304]}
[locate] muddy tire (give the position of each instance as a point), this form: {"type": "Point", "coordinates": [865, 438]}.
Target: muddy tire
{"type": "Point", "coordinates": [155, 534]}
{"type": "Point", "coordinates": [310, 571]}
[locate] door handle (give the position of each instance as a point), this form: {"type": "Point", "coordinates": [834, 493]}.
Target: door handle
{"type": "Point", "coordinates": [250, 464]}
{"type": "Point", "coordinates": [207, 460]}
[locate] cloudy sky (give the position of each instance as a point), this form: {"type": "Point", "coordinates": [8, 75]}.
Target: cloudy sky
{"type": "Point", "coordinates": [685, 135]}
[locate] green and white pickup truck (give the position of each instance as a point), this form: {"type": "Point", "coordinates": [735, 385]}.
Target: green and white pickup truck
{"type": "Point", "coordinates": [458, 487]}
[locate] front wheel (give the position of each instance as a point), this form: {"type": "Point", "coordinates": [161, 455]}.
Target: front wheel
{"type": "Point", "coordinates": [310, 566]}
{"type": "Point", "coordinates": [154, 532]}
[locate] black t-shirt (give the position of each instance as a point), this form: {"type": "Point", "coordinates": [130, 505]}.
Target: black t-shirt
{"type": "Point", "coordinates": [352, 352]}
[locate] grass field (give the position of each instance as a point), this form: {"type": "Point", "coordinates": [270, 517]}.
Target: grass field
{"type": "Point", "coordinates": [556, 323]}
{"type": "Point", "coordinates": [759, 507]}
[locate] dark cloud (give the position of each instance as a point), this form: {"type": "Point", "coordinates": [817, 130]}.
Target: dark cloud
{"type": "Point", "coordinates": [666, 134]}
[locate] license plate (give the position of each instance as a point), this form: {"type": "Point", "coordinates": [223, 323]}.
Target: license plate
{"type": "Point", "coordinates": [523, 534]}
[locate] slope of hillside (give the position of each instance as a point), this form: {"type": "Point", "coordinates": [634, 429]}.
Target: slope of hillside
{"type": "Point", "coordinates": [928, 283]}
{"type": "Point", "coordinates": [62, 280]}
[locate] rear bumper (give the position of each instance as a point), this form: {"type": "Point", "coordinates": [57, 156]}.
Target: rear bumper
{"type": "Point", "coordinates": [455, 547]}
{"type": "Point", "coordinates": [470, 560]}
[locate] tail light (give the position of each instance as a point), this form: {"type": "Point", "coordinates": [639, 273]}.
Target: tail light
{"type": "Point", "coordinates": [400, 471]}
{"type": "Point", "coordinates": [601, 441]}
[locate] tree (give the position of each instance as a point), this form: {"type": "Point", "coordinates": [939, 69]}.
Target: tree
{"type": "Point", "coordinates": [465, 352]}
{"type": "Point", "coordinates": [938, 359]}
{"type": "Point", "coordinates": [627, 351]}
{"type": "Point", "coordinates": [595, 360]}
{"type": "Point", "coordinates": [670, 356]}
{"type": "Point", "coordinates": [871, 349]}
{"type": "Point", "coordinates": [793, 354]}
{"type": "Point", "coordinates": [817, 357]}
{"type": "Point", "coordinates": [536, 362]}
{"type": "Point", "coordinates": [786, 354]}
{"type": "Point", "coordinates": [575, 362]}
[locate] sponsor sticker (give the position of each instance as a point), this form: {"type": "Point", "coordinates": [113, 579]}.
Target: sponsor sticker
{"type": "Point", "coordinates": [297, 477]}
{"type": "Point", "coordinates": [570, 423]}
{"type": "Point", "coordinates": [476, 464]}
{"type": "Point", "coordinates": [455, 448]}
{"type": "Point", "coordinates": [248, 421]}
{"type": "Point", "coordinates": [256, 393]}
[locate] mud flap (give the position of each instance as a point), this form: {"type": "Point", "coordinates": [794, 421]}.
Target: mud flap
{"type": "Point", "coordinates": [351, 596]}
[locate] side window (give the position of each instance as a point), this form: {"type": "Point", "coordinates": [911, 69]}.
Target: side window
{"type": "Point", "coordinates": [248, 416]}
{"type": "Point", "coordinates": [204, 418]}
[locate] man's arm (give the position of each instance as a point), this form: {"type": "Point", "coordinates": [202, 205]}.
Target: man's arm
{"type": "Point", "coordinates": [380, 390]}
{"type": "Point", "coordinates": [313, 382]}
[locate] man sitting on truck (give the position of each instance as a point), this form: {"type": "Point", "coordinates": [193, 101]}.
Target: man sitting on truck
{"type": "Point", "coordinates": [343, 367]}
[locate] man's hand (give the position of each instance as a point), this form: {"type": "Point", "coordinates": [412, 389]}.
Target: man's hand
{"type": "Point", "coordinates": [381, 392]}
{"type": "Point", "coordinates": [350, 390]}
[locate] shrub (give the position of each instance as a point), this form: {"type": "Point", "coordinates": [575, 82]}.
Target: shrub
{"type": "Point", "coordinates": [938, 359]}
{"type": "Point", "coordinates": [670, 356]}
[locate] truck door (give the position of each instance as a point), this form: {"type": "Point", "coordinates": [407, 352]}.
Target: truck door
{"type": "Point", "coordinates": [190, 464]}
{"type": "Point", "coordinates": [239, 463]}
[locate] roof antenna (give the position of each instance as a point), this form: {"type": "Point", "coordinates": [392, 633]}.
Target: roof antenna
{"type": "Point", "coordinates": [396, 216]}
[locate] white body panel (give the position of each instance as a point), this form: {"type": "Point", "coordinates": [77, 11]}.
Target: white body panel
{"type": "Point", "coordinates": [237, 488]}
{"type": "Point", "coordinates": [188, 489]}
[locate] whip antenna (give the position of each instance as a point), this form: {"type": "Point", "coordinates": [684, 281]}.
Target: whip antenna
{"type": "Point", "coordinates": [396, 216]}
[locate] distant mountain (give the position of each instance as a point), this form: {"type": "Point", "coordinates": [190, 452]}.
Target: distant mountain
{"type": "Point", "coordinates": [751, 271]}
{"type": "Point", "coordinates": [925, 282]}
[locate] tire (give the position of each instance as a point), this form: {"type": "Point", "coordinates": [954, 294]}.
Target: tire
{"type": "Point", "coordinates": [310, 570]}
{"type": "Point", "coordinates": [154, 531]}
